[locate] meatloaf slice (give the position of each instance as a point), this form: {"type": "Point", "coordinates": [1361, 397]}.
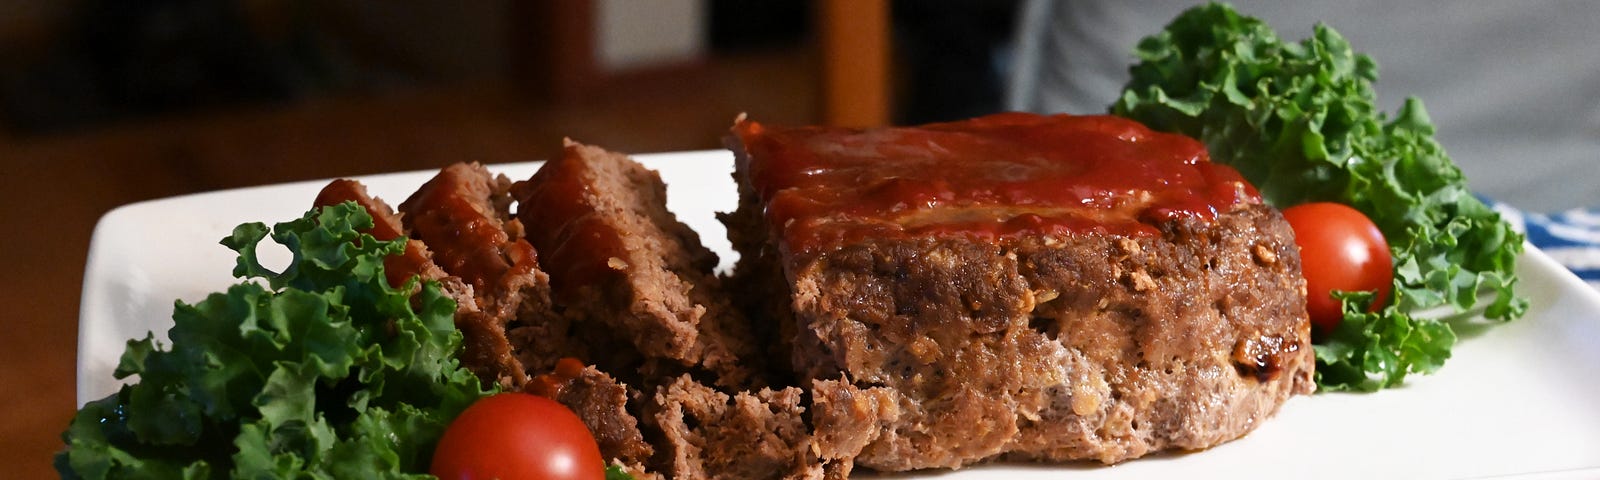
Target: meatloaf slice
{"type": "Point", "coordinates": [602, 403]}
{"type": "Point", "coordinates": [619, 261]}
{"type": "Point", "coordinates": [463, 215]}
{"type": "Point", "coordinates": [417, 261]}
{"type": "Point", "coordinates": [1018, 286]}
{"type": "Point", "coordinates": [386, 225]}
{"type": "Point", "coordinates": [751, 435]}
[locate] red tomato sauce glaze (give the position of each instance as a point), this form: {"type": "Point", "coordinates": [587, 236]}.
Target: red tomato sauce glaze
{"type": "Point", "coordinates": [992, 178]}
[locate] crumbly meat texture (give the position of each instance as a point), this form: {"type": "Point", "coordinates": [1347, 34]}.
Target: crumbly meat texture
{"type": "Point", "coordinates": [710, 434]}
{"type": "Point", "coordinates": [1060, 349]}
{"type": "Point", "coordinates": [695, 430]}
{"type": "Point", "coordinates": [637, 297]}
{"type": "Point", "coordinates": [845, 419]}
{"type": "Point", "coordinates": [463, 216]}
{"type": "Point", "coordinates": [602, 403]}
{"type": "Point", "coordinates": [1048, 347]}
{"type": "Point", "coordinates": [627, 274]}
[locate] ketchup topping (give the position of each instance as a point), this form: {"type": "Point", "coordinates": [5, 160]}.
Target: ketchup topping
{"type": "Point", "coordinates": [397, 268]}
{"type": "Point", "coordinates": [452, 214]}
{"type": "Point", "coordinates": [559, 208]}
{"type": "Point", "coordinates": [991, 178]}
{"type": "Point", "coordinates": [551, 385]}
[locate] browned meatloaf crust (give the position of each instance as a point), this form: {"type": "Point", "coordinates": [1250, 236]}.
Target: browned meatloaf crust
{"type": "Point", "coordinates": [1145, 330]}
{"type": "Point", "coordinates": [620, 262]}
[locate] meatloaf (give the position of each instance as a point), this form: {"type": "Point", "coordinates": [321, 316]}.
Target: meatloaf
{"type": "Point", "coordinates": [463, 216]}
{"type": "Point", "coordinates": [1016, 286]}
{"type": "Point", "coordinates": [627, 274]}
{"type": "Point", "coordinates": [492, 274]}
{"type": "Point", "coordinates": [679, 388]}
{"type": "Point", "coordinates": [416, 260]}
{"type": "Point", "coordinates": [695, 415]}
{"type": "Point", "coordinates": [602, 403]}
{"type": "Point", "coordinates": [750, 434]}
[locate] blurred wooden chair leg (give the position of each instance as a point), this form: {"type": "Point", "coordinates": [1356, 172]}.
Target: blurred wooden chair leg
{"type": "Point", "coordinates": [854, 37]}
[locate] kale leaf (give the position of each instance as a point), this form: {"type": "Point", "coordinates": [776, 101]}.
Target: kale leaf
{"type": "Point", "coordinates": [326, 371]}
{"type": "Point", "coordinates": [1299, 121]}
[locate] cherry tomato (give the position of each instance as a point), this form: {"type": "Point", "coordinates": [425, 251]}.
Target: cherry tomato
{"type": "Point", "coordinates": [517, 436]}
{"type": "Point", "coordinates": [1340, 250]}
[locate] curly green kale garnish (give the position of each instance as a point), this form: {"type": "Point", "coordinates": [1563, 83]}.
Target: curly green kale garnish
{"type": "Point", "coordinates": [1299, 121]}
{"type": "Point", "coordinates": [324, 372]}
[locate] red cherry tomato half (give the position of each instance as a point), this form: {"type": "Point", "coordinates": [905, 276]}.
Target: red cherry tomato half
{"type": "Point", "coordinates": [517, 436]}
{"type": "Point", "coordinates": [1340, 250]}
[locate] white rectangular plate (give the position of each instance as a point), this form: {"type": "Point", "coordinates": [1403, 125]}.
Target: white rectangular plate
{"type": "Point", "coordinates": [1516, 399]}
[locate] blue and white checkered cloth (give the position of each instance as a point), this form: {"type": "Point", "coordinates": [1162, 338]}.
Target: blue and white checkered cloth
{"type": "Point", "coordinates": [1571, 238]}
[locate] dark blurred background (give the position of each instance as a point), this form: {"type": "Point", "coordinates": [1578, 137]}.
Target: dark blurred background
{"type": "Point", "coordinates": [108, 102]}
